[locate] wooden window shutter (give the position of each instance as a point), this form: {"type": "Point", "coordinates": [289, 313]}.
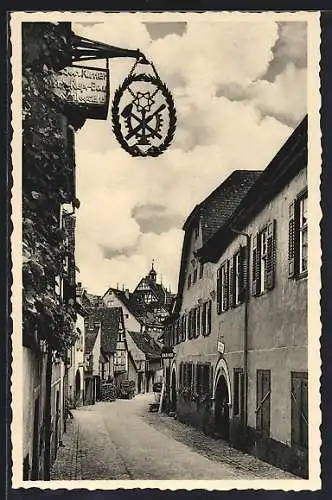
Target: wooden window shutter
{"type": "Point", "coordinates": [184, 327]}
{"type": "Point", "coordinates": [209, 317]}
{"type": "Point", "coordinates": [232, 282]}
{"type": "Point", "coordinates": [198, 321]}
{"type": "Point", "coordinates": [293, 239]}
{"type": "Point", "coordinates": [195, 322]}
{"type": "Point", "coordinates": [243, 274]}
{"type": "Point", "coordinates": [204, 319]}
{"type": "Point", "coordinates": [219, 291]}
{"type": "Point", "coordinates": [256, 265]}
{"type": "Point", "coordinates": [225, 286]}
{"type": "Point", "coordinates": [189, 325]}
{"type": "Point", "coordinates": [271, 255]}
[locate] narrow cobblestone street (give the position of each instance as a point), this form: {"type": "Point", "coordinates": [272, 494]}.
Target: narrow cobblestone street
{"type": "Point", "coordinates": [122, 440]}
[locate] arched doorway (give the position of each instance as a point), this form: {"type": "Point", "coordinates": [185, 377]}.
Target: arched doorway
{"type": "Point", "coordinates": [173, 392]}
{"type": "Point", "coordinates": [222, 408]}
{"type": "Point", "coordinates": [77, 388]}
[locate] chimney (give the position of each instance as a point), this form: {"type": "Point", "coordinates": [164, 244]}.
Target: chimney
{"type": "Point", "coordinates": [127, 293]}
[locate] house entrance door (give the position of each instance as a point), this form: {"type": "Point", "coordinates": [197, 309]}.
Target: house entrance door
{"type": "Point", "coordinates": [222, 408]}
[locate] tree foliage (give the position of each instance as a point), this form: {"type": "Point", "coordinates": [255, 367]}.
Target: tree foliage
{"type": "Point", "coordinates": [47, 183]}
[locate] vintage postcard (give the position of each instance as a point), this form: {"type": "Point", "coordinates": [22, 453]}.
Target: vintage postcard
{"type": "Point", "coordinates": [166, 250]}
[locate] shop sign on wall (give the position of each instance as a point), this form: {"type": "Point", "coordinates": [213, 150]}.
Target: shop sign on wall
{"type": "Point", "coordinates": [84, 87]}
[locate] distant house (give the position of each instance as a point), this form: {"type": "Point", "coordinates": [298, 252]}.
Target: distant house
{"type": "Point", "coordinates": [114, 360]}
{"type": "Point", "coordinates": [144, 309]}
{"type": "Point", "coordinates": [146, 353]}
{"type": "Point", "coordinates": [92, 353]}
{"type": "Point", "coordinates": [133, 311]}
{"type": "Point", "coordinates": [155, 300]}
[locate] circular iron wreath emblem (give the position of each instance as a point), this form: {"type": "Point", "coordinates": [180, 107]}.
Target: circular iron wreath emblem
{"type": "Point", "coordinates": [134, 150]}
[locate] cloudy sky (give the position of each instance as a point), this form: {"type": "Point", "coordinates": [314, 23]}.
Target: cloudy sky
{"type": "Point", "coordinates": [239, 90]}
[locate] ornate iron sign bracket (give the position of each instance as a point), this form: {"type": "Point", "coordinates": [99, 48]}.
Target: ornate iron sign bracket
{"type": "Point", "coordinates": [143, 111]}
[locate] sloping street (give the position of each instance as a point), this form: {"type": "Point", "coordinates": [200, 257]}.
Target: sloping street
{"type": "Point", "coordinates": [122, 440]}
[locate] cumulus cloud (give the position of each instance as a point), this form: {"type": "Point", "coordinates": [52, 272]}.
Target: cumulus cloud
{"type": "Point", "coordinates": [156, 218]}
{"type": "Point", "coordinates": [229, 117]}
{"type": "Point", "coordinates": [274, 98]}
{"type": "Point", "coordinates": [290, 48]}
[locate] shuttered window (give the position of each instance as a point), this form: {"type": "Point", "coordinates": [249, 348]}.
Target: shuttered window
{"type": "Point", "coordinates": [203, 318]}
{"type": "Point", "coordinates": [223, 287]}
{"type": "Point", "coordinates": [184, 328]}
{"type": "Point", "coordinates": [209, 317]}
{"type": "Point", "coordinates": [201, 270]}
{"type": "Point", "coordinates": [198, 321]}
{"type": "Point", "coordinates": [264, 259]}
{"type": "Point", "coordinates": [263, 407]}
{"type": "Point", "coordinates": [238, 277]}
{"type": "Point", "coordinates": [299, 409]}
{"type": "Point", "coordinates": [203, 378]}
{"type": "Point", "coordinates": [298, 236]}
{"type": "Point", "coordinates": [194, 322]}
{"type": "Point", "coordinates": [219, 291]}
{"type": "Point", "coordinates": [190, 332]}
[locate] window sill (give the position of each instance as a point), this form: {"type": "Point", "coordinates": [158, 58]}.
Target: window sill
{"type": "Point", "coordinates": [302, 276]}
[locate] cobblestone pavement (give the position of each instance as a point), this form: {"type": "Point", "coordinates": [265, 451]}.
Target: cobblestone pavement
{"type": "Point", "coordinates": [217, 450]}
{"type": "Point", "coordinates": [67, 465]}
{"type": "Point", "coordinates": [122, 440]}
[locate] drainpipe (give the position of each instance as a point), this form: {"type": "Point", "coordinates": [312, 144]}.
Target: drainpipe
{"type": "Point", "coordinates": [245, 331]}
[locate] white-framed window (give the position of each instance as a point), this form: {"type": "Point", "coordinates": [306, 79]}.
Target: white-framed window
{"type": "Point", "coordinates": [303, 230]}
{"type": "Point", "coordinates": [298, 236]}
{"type": "Point", "coordinates": [223, 287]}
{"type": "Point", "coordinates": [263, 259]}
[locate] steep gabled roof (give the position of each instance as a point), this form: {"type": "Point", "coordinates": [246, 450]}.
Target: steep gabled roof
{"type": "Point", "coordinates": [214, 212]}
{"type": "Point", "coordinates": [162, 295]}
{"type": "Point", "coordinates": [111, 320]}
{"type": "Point", "coordinates": [285, 165]}
{"type": "Point", "coordinates": [90, 337]}
{"type": "Point", "coordinates": [146, 344]}
{"type": "Point", "coordinates": [216, 209]}
{"type": "Point", "coordinates": [130, 302]}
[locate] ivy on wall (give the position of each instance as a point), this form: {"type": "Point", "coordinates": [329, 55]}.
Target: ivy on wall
{"type": "Point", "coordinates": [47, 183]}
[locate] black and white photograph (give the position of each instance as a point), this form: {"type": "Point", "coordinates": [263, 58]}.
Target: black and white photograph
{"type": "Point", "coordinates": [166, 250]}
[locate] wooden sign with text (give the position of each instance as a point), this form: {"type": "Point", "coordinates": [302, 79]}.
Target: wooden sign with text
{"type": "Point", "coordinates": [84, 88]}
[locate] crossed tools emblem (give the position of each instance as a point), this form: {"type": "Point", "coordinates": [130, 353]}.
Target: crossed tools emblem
{"type": "Point", "coordinates": [142, 117]}
{"type": "Point", "coordinates": [143, 129]}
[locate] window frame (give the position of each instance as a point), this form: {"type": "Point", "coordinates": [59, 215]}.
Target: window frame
{"type": "Point", "coordinates": [303, 229]}
{"type": "Point", "coordinates": [237, 278]}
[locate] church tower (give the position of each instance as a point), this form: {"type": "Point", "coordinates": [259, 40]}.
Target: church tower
{"type": "Point", "coordinates": [152, 274]}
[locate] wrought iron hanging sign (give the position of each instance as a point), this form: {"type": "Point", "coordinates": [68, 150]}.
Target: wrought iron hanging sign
{"type": "Point", "coordinates": [143, 114]}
